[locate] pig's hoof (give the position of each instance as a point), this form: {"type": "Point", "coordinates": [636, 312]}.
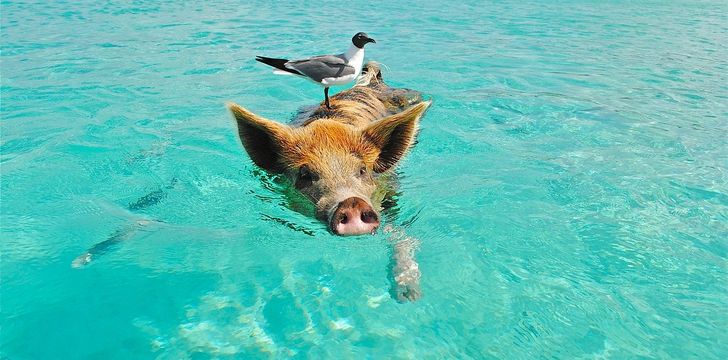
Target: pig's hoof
{"type": "Point", "coordinates": [407, 281]}
{"type": "Point", "coordinates": [408, 292]}
{"type": "Point", "coordinates": [81, 261]}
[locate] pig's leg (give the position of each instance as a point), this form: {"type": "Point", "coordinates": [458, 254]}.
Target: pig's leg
{"type": "Point", "coordinates": [117, 237]}
{"type": "Point", "coordinates": [405, 271]}
{"type": "Point", "coordinates": [146, 201]}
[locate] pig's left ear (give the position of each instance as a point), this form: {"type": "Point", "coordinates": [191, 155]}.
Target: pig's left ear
{"type": "Point", "coordinates": [394, 135]}
{"type": "Point", "coordinates": [264, 140]}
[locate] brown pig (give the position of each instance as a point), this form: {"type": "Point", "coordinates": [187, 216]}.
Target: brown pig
{"type": "Point", "coordinates": [342, 159]}
{"type": "Point", "coordinates": [339, 158]}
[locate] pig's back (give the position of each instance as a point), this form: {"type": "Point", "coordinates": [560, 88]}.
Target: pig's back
{"type": "Point", "coordinates": [360, 105]}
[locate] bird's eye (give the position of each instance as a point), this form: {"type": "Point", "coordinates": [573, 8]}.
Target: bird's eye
{"type": "Point", "coordinates": [305, 177]}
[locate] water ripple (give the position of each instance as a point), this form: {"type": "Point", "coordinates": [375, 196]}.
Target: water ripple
{"type": "Point", "coordinates": [567, 191]}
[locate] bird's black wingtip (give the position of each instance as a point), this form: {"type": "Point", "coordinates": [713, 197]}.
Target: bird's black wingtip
{"type": "Point", "coordinates": [265, 60]}
{"type": "Point", "coordinates": [268, 60]}
{"type": "Point", "coordinates": [279, 64]}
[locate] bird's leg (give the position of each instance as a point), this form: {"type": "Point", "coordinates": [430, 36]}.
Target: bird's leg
{"type": "Point", "coordinates": [326, 94]}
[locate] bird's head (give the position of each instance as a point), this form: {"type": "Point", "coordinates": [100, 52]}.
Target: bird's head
{"type": "Point", "coordinates": [361, 39]}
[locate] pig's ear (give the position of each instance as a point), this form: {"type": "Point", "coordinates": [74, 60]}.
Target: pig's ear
{"type": "Point", "coordinates": [264, 140]}
{"type": "Point", "coordinates": [394, 135]}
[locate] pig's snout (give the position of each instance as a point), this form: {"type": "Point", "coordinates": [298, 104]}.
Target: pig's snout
{"type": "Point", "coordinates": [354, 216]}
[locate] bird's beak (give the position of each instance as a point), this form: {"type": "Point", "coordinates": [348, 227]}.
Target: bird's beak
{"type": "Point", "coordinates": [370, 40]}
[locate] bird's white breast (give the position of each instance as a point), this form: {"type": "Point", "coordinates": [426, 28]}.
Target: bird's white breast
{"type": "Point", "coordinates": [355, 57]}
{"type": "Point", "coordinates": [330, 81]}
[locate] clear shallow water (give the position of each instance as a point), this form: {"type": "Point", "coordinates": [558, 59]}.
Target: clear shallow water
{"type": "Point", "coordinates": [570, 185]}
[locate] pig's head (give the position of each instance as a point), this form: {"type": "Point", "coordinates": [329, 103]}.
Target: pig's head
{"type": "Point", "coordinates": [333, 164]}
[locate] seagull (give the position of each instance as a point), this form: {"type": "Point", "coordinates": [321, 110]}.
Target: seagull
{"type": "Point", "coordinates": [325, 70]}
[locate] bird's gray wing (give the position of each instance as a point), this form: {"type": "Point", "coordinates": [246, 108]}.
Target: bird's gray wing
{"type": "Point", "coordinates": [320, 67]}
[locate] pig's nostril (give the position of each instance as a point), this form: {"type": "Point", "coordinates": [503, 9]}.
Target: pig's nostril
{"type": "Point", "coordinates": [354, 216]}
{"type": "Point", "coordinates": [369, 217]}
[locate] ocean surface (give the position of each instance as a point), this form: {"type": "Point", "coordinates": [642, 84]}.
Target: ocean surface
{"type": "Point", "coordinates": [569, 188]}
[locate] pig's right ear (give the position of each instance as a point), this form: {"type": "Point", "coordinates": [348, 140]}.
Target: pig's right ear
{"type": "Point", "coordinates": [394, 135]}
{"type": "Point", "coordinates": [263, 139]}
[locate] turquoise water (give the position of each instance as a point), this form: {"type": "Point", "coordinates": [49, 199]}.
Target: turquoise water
{"type": "Point", "coordinates": [569, 187]}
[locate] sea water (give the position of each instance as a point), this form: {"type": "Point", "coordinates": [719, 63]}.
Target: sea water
{"type": "Point", "coordinates": [569, 189]}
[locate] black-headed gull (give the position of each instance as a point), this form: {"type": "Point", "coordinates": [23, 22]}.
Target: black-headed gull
{"type": "Point", "coordinates": [325, 70]}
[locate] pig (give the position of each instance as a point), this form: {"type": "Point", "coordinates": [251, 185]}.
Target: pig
{"type": "Point", "coordinates": [342, 158]}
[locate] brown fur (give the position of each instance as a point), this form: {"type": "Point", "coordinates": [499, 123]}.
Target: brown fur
{"type": "Point", "coordinates": [368, 129]}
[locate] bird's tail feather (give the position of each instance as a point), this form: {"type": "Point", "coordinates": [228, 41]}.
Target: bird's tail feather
{"type": "Point", "coordinates": [279, 64]}
{"type": "Point", "coordinates": [281, 72]}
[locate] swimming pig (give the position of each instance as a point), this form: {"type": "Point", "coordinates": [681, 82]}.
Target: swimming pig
{"type": "Point", "coordinates": [339, 158]}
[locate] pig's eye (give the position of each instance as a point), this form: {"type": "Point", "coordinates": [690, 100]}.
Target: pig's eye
{"type": "Point", "coordinates": [305, 177]}
{"type": "Point", "coordinates": [362, 171]}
